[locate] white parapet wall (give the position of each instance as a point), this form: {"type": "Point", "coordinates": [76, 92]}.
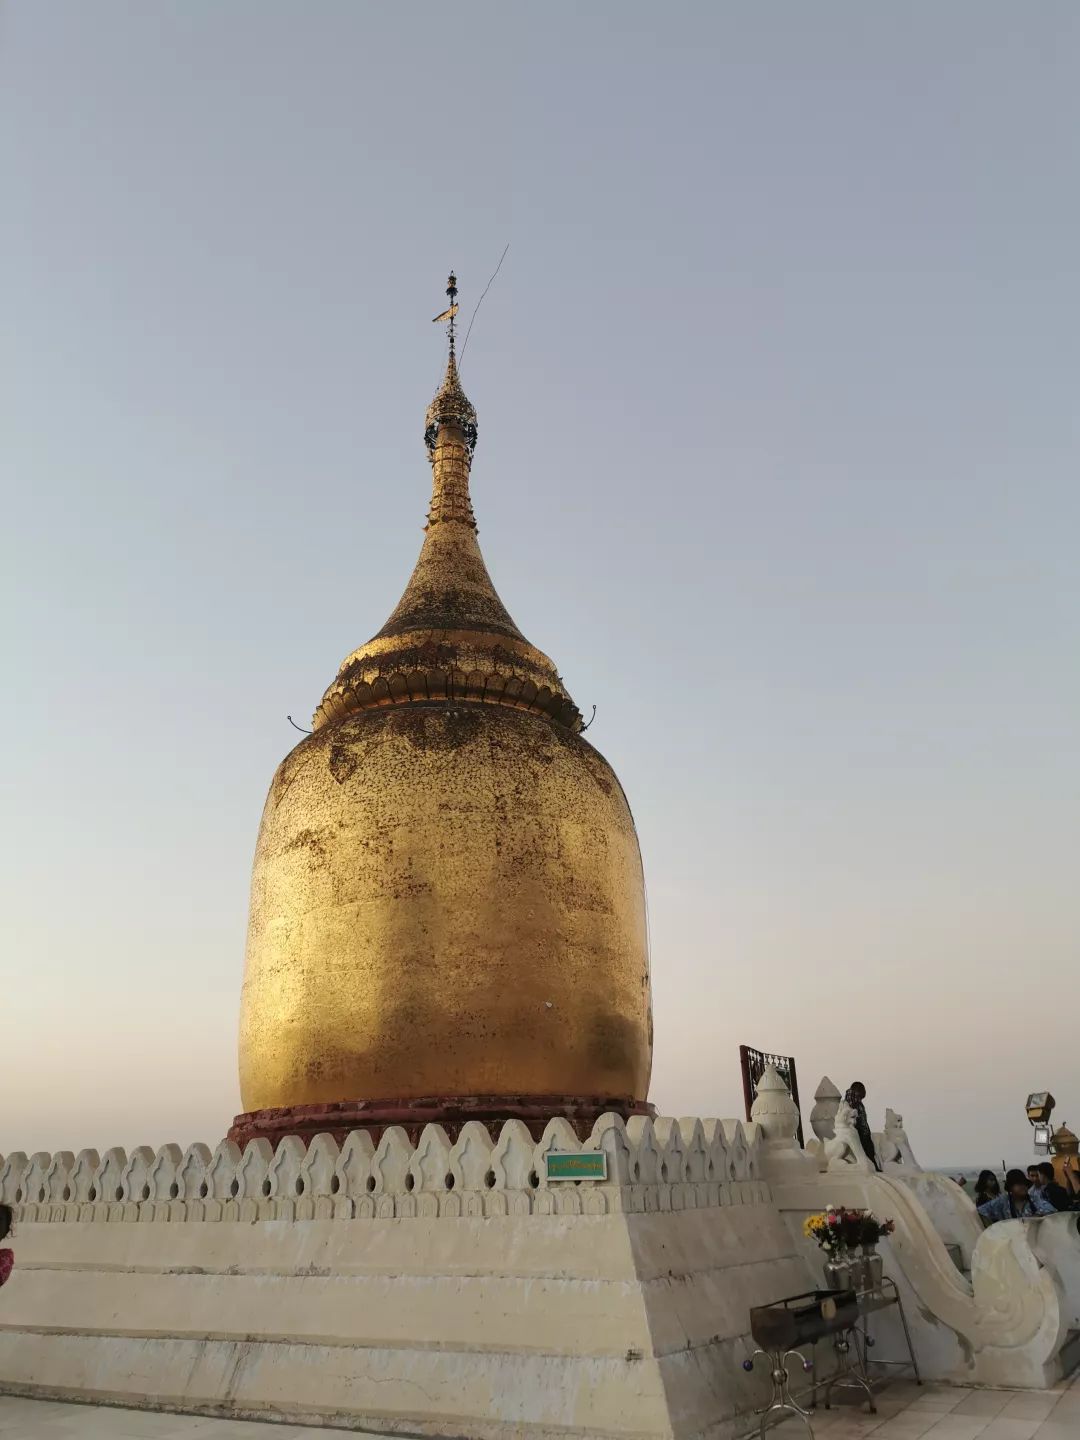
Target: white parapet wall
{"type": "Point", "coordinates": [443, 1288]}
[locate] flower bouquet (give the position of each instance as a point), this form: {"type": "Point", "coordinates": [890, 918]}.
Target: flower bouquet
{"type": "Point", "coordinates": [840, 1233]}
{"type": "Point", "coordinates": [835, 1230]}
{"type": "Point", "coordinates": [874, 1230]}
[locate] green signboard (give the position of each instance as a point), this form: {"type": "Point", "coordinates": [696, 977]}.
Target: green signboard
{"type": "Point", "coordinates": [585, 1165]}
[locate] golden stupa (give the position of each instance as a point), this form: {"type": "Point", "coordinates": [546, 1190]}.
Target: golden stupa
{"type": "Point", "coordinates": [447, 902]}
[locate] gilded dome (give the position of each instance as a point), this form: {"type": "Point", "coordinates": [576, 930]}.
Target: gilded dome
{"type": "Point", "coordinates": [447, 901]}
{"type": "Point", "coordinates": [447, 896]}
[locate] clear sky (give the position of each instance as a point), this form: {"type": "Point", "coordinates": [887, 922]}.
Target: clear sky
{"type": "Point", "coordinates": [778, 459]}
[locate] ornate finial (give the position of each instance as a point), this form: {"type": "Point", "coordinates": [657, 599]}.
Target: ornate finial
{"type": "Point", "coordinates": [451, 291]}
{"type": "Point", "coordinates": [450, 404]}
{"type": "Point", "coordinates": [451, 314]}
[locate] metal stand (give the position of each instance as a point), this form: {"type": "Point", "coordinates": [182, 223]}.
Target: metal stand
{"type": "Point", "coordinates": [850, 1373]}
{"type": "Point", "coordinates": [783, 1401]}
{"type": "Point", "coordinates": [852, 1357]}
{"type": "Point", "coordinates": [803, 1320]}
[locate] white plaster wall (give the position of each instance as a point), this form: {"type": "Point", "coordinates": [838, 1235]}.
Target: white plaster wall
{"type": "Point", "coordinates": [616, 1324]}
{"type": "Point", "coordinates": [952, 1213]}
{"type": "Point", "coordinates": [442, 1289]}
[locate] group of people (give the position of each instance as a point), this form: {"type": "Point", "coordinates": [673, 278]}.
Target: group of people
{"type": "Point", "coordinates": [1025, 1196]}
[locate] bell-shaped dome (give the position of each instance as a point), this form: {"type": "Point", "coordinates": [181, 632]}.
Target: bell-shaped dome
{"type": "Point", "coordinates": [447, 904]}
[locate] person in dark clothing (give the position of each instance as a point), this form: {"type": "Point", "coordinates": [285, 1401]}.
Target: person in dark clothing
{"type": "Point", "coordinates": [7, 1258]}
{"type": "Point", "coordinates": [856, 1098]}
{"type": "Point", "coordinates": [1049, 1189]}
{"type": "Point", "coordinates": [987, 1187]}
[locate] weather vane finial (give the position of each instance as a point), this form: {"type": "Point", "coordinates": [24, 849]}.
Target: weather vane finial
{"type": "Point", "coordinates": [451, 314]}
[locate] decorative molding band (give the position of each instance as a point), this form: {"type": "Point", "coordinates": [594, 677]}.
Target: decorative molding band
{"type": "Point", "coordinates": [419, 687]}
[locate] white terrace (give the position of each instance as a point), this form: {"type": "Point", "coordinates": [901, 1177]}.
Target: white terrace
{"type": "Point", "coordinates": [448, 1288]}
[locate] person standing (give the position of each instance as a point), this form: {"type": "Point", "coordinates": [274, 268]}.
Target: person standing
{"type": "Point", "coordinates": [856, 1098]}
{"type": "Point", "coordinates": [987, 1187]}
{"type": "Point", "coordinates": [7, 1257]}
{"type": "Point", "coordinates": [1049, 1189]}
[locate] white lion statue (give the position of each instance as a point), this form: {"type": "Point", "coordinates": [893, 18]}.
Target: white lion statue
{"type": "Point", "coordinates": [844, 1149]}
{"type": "Point", "coordinates": [893, 1146]}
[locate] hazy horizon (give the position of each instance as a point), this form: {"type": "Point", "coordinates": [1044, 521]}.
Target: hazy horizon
{"type": "Point", "coordinates": [777, 460]}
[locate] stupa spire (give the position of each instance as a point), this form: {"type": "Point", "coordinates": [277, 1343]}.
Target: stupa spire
{"type": "Point", "coordinates": [450, 433]}
{"type": "Point", "coordinates": [450, 636]}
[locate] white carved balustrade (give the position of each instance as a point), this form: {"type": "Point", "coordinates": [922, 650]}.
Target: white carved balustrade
{"type": "Point", "coordinates": [58, 1186]}
{"type": "Point", "coordinates": [390, 1168]}
{"type": "Point", "coordinates": [645, 1163]}
{"type": "Point", "coordinates": [223, 1183]}
{"type": "Point", "coordinates": [471, 1167]}
{"type": "Point", "coordinates": [609, 1135]}
{"type": "Point", "coordinates": [253, 1181]}
{"type": "Point", "coordinates": [738, 1158]}
{"type": "Point", "coordinates": [192, 1185]}
{"type": "Point", "coordinates": [356, 1180]}
{"type": "Point", "coordinates": [107, 1190]}
{"type": "Point", "coordinates": [428, 1179]}
{"type": "Point", "coordinates": [135, 1181]}
{"type": "Point", "coordinates": [283, 1185]}
{"type": "Point", "coordinates": [163, 1202]}
{"type": "Point", "coordinates": [558, 1197]}
{"type": "Point", "coordinates": [652, 1165]}
{"type": "Point", "coordinates": [33, 1180]}
{"type": "Point", "coordinates": [319, 1180]}
{"type": "Point", "coordinates": [11, 1178]}
{"type": "Point", "coordinates": [34, 1183]}
{"type": "Point", "coordinates": [672, 1152]}
{"type": "Point", "coordinates": [84, 1175]}
{"type": "Point", "coordinates": [695, 1159]}
{"type": "Point", "coordinates": [511, 1165]}
{"type": "Point", "coordinates": [717, 1161]}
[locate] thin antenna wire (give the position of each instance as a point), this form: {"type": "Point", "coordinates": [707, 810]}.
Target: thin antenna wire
{"type": "Point", "coordinates": [479, 302]}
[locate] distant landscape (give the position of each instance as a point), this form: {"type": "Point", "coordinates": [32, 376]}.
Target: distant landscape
{"type": "Point", "coordinates": [962, 1172]}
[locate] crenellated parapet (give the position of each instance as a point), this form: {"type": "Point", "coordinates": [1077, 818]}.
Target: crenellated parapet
{"type": "Point", "coordinates": [652, 1165]}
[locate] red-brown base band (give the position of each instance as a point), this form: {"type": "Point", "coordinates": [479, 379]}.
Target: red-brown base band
{"type": "Point", "coordinates": [449, 1111]}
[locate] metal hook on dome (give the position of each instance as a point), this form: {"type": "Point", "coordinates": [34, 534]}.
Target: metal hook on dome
{"type": "Point", "coordinates": [295, 726]}
{"type": "Point", "coordinates": [592, 717]}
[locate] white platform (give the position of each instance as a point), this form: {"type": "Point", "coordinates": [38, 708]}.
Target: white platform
{"type": "Point", "coordinates": [905, 1412]}
{"type": "Point", "coordinates": [449, 1289]}
{"type": "Point", "coordinates": [492, 1307]}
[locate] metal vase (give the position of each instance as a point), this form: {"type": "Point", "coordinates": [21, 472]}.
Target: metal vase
{"type": "Point", "coordinates": [838, 1272]}
{"type": "Point", "coordinates": [860, 1273]}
